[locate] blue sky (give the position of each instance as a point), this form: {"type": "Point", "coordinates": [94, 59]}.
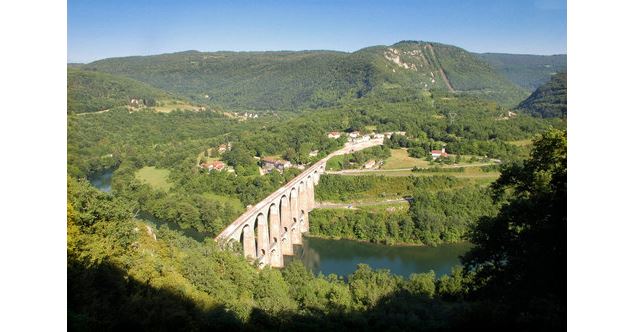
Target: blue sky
{"type": "Point", "coordinates": [102, 29]}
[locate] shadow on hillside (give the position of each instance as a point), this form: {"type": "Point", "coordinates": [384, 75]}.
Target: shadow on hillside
{"type": "Point", "coordinates": [102, 298]}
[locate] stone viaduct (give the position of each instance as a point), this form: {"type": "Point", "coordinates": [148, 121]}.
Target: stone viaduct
{"type": "Point", "coordinates": [269, 229]}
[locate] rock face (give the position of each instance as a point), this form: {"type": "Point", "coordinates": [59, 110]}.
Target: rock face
{"type": "Point", "coordinates": [151, 232]}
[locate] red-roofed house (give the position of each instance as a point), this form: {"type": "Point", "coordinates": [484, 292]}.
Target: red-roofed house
{"type": "Point", "coordinates": [438, 153]}
{"type": "Point", "coordinates": [214, 165]}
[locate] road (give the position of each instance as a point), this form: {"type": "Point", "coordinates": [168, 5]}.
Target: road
{"type": "Point", "coordinates": [355, 205]}
{"type": "Point", "coordinates": [398, 169]}
{"type": "Point", "coordinates": [353, 147]}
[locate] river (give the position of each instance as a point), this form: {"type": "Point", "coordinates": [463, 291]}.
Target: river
{"type": "Point", "coordinates": [342, 256]}
{"type": "Point", "coordinates": [339, 256]}
{"type": "Point", "coordinates": [102, 180]}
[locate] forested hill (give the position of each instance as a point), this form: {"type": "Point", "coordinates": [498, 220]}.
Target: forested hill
{"type": "Point", "coordinates": [91, 91]}
{"type": "Point", "coordinates": [293, 80]}
{"type": "Point", "coordinates": [549, 100]}
{"type": "Point", "coordinates": [525, 70]}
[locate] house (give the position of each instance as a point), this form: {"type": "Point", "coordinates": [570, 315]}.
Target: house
{"type": "Point", "coordinates": [314, 153]}
{"type": "Point", "coordinates": [354, 134]}
{"type": "Point", "coordinates": [378, 136]}
{"type": "Point", "coordinates": [369, 164]}
{"type": "Point", "coordinates": [334, 134]}
{"type": "Point", "coordinates": [361, 139]}
{"type": "Point", "coordinates": [214, 165]}
{"type": "Point", "coordinates": [270, 163]}
{"type": "Point", "coordinates": [224, 147]}
{"type": "Point", "coordinates": [438, 153]}
{"type": "Point", "coordinates": [134, 102]}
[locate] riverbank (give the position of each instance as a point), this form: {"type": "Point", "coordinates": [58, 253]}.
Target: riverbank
{"type": "Point", "coordinates": [383, 243]}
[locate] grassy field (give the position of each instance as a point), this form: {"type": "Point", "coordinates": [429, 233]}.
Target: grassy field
{"type": "Point", "coordinates": [399, 159]}
{"type": "Point", "coordinates": [523, 142]}
{"type": "Point", "coordinates": [155, 177]}
{"type": "Point", "coordinates": [334, 163]}
{"type": "Point", "coordinates": [469, 173]}
{"type": "Point", "coordinates": [392, 207]}
{"type": "Point", "coordinates": [171, 105]}
{"type": "Point", "coordinates": [390, 188]}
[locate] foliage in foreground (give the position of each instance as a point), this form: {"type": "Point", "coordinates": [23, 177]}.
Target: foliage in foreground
{"type": "Point", "coordinates": [121, 277]}
{"type": "Point", "coordinates": [519, 258]}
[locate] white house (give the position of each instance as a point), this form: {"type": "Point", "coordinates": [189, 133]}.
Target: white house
{"type": "Point", "coordinates": [334, 134]}
{"type": "Point", "coordinates": [369, 164]}
{"type": "Point", "coordinates": [270, 163]}
{"type": "Point", "coordinates": [361, 139]}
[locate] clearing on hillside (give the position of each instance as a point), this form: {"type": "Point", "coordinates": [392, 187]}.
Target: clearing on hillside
{"type": "Point", "coordinates": [167, 106]}
{"type": "Point", "coordinates": [399, 159]}
{"type": "Point", "coordinates": [157, 178]}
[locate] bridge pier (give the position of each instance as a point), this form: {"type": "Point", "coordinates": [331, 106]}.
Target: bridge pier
{"type": "Point", "coordinates": [263, 240]}
{"type": "Point", "coordinates": [249, 242]}
{"type": "Point", "coordinates": [285, 230]}
{"type": "Point", "coordinates": [304, 208]}
{"type": "Point", "coordinates": [275, 253]}
{"type": "Point", "coordinates": [296, 234]}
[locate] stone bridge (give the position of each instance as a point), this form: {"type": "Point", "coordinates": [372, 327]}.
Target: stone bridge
{"type": "Point", "coordinates": [269, 229]}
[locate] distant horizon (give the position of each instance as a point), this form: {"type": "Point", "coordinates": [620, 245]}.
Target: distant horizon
{"type": "Point", "coordinates": [118, 28]}
{"type": "Point", "coordinates": [300, 50]}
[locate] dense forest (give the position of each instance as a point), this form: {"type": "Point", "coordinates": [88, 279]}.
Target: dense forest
{"type": "Point", "coordinates": [92, 91]}
{"type": "Point", "coordinates": [296, 80]}
{"type": "Point", "coordinates": [123, 274]}
{"type": "Point", "coordinates": [549, 100]}
{"type": "Point", "coordinates": [444, 216]}
{"type": "Point", "coordinates": [526, 70]}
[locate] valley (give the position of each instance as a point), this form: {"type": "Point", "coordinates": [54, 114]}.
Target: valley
{"type": "Point", "coordinates": [420, 143]}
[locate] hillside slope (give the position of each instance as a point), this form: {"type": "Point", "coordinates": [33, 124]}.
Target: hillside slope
{"type": "Point", "coordinates": [549, 100]}
{"type": "Point", "coordinates": [91, 91]}
{"type": "Point", "coordinates": [525, 70]}
{"type": "Point", "coordinates": [293, 80]}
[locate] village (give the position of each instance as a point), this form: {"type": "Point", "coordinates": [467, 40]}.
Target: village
{"type": "Point", "coordinates": [210, 160]}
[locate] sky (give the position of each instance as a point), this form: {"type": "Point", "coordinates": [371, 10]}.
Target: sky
{"type": "Point", "coordinates": [103, 29]}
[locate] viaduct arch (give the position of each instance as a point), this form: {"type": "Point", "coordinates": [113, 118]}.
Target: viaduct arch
{"type": "Point", "coordinates": [269, 229]}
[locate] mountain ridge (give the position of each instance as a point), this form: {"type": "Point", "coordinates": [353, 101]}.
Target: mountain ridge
{"type": "Point", "coordinates": [292, 80]}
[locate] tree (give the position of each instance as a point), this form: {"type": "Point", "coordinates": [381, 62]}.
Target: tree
{"type": "Point", "coordinates": [417, 152]}
{"type": "Point", "coordinates": [519, 256]}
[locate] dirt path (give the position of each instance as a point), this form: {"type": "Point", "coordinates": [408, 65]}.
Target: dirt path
{"type": "Point", "coordinates": [104, 111]}
{"type": "Point", "coordinates": [356, 205]}
{"type": "Point", "coordinates": [441, 71]}
{"type": "Point", "coordinates": [445, 79]}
